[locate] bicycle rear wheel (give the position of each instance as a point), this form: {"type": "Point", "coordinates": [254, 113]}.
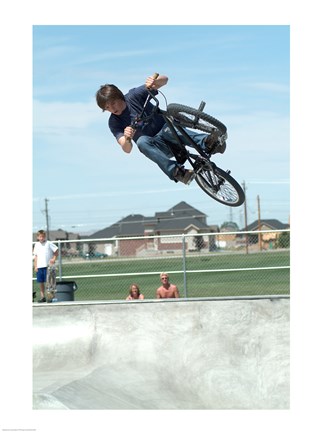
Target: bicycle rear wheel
{"type": "Point", "coordinates": [220, 185]}
{"type": "Point", "coordinates": [195, 119]}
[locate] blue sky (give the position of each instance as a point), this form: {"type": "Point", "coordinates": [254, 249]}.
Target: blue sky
{"type": "Point", "coordinates": [242, 73]}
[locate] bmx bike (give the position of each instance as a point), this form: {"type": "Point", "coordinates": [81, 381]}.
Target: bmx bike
{"type": "Point", "coordinates": [213, 180]}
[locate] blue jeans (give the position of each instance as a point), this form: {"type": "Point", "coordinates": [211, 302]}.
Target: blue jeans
{"type": "Point", "coordinates": [157, 149]}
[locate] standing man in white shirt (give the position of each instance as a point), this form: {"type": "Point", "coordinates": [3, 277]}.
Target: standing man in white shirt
{"type": "Point", "coordinates": [45, 254]}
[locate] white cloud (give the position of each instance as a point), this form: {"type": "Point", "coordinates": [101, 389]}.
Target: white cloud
{"type": "Point", "coordinates": [270, 87]}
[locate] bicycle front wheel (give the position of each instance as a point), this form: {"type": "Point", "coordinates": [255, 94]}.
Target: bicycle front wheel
{"type": "Point", "coordinates": [195, 119]}
{"type": "Point", "coordinates": [220, 185]}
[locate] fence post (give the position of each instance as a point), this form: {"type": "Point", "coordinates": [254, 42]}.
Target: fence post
{"type": "Point", "coordinates": [60, 259]}
{"type": "Point", "coordinates": [184, 265]}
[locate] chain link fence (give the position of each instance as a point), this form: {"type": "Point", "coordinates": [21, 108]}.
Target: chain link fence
{"type": "Point", "coordinates": [201, 265]}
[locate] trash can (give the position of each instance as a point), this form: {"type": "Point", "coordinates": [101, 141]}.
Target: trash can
{"type": "Point", "coordinates": [65, 290]}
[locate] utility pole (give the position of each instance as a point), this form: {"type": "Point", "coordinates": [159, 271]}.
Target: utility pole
{"type": "Point", "coordinates": [259, 223]}
{"type": "Point", "coordinates": [245, 220]}
{"type": "Point", "coordinates": [47, 219]}
{"type": "Point", "coordinates": [231, 214]}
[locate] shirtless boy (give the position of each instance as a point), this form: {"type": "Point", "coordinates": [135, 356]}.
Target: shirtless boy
{"type": "Point", "coordinates": [167, 290]}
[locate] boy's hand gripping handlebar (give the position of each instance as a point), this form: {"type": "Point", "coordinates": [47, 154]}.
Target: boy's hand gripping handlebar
{"type": "Point", "coordinates": [133, 125]}
{"type": "Point", "coordinates": [154, 77]}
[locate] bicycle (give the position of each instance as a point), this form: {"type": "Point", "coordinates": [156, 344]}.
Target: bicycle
{"type": "Point", "coordinates": [214, 181]}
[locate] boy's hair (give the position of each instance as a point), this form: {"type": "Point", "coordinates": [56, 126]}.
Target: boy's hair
{"type": "Point", "coordinates": [106, 94]}
{"type": "Point", "coordinates": [41, 232]}
{"type": "Point", "coordinates": [164, 274]}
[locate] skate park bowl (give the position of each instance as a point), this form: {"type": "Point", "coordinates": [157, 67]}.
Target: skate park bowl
{"type": "Point", "coordinates": [215, 353]}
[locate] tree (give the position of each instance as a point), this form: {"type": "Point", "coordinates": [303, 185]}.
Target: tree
{"type": "Point", "coordinates": [284, 240]}
{"type": "Point", "coordinates": [230, 226]}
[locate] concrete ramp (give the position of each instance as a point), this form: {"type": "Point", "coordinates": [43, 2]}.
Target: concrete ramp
{"type": "Point", "coordinates": [172, 354]}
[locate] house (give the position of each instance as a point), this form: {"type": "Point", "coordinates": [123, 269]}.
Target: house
{"type": "Point", "coordinates": [162, 234]}
{"type": "Point", "coordinates": [264, 241]}
{"type": "Point", "coordinates": [180, 219]}
{"type": "Point", "coordinates": [228, 238]}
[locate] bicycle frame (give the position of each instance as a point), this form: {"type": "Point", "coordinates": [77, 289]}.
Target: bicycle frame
{"type": "Point", "coordinates": [214, 181]}
{"type": "Point", "coordinates": [179, 150]}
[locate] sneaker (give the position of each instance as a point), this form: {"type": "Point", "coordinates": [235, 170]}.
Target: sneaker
{"type": "Point", "coordinates": [184, 175]}
{"type": "Point", "coordinates": [214, 144]}
{"type": "Point", "coordinates": [42, 300]}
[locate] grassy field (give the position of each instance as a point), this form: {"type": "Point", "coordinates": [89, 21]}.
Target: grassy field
{"type": "Point", "coordinates": [214, 282]}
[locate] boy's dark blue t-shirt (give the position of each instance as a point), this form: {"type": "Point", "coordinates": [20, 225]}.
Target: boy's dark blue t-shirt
{"type": "Point", "coordinates": [135, 100]}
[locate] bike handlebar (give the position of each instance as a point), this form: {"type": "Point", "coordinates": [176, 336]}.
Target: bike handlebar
{"type": "Point", "coordinates": [150, 95]}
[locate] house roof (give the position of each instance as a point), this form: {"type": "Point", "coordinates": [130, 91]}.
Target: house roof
{"type": "Point", "coordinates": [180, 224]}
{"type": "Point", "coordinates": [270, 223]}
{"type": "Point", "coordinates": [178, 219]}
{"type": "Point", "coordinates": [184, 208]}
{"type": "Point", "coordinates": [131, 225]}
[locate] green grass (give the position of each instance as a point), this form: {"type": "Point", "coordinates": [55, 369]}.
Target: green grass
{"type": "Point", "coordinates": [209, 284]}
